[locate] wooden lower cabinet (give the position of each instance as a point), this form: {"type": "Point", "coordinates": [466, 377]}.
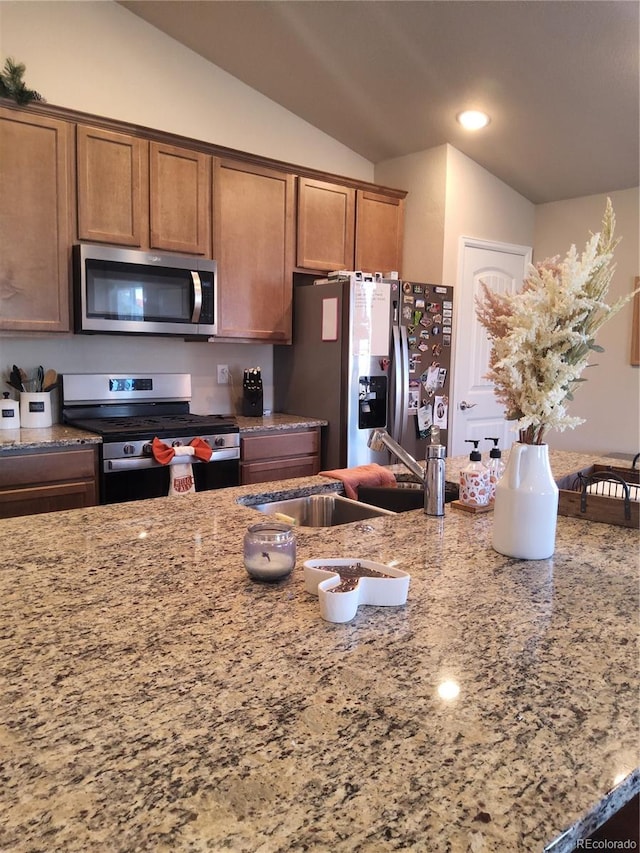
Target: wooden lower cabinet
{"type": "Point", "coordinates": [47, 481]}
{"type": "Point", "coordinates": [278, 456]}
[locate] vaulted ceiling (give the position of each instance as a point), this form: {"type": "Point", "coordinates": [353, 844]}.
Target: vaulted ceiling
{"type": "Point", "coordinates": [559, 78]}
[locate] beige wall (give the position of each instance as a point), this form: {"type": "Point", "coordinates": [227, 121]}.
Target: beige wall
{"type": "Point", "coordinates": [482, 206]}
{"type": "Point", "coordinates": [451, 196]}
{"type": "Point", "coordinates": [424, 175]}
{"type": "Point", "coordinates": [98, 57]}
{"type": "Point", "coordinates": [610, 399]}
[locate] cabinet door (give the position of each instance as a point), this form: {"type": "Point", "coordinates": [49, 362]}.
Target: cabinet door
{"type": "Point", "coordinates": [379, 230]}
{"type": "Point", "coordinates": [253, 244]}
{"type": "Point", "coordinates": [326, 225]}
{"type": "Point", "coordinates": [113, 187]}
{"type": "Point", "coordinates": [35, 223]}
{"type": "Point", "coordinates": [180, 197]}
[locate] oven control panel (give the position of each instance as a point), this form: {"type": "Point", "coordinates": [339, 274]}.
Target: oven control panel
{"type": "Point", "coordinates": [137, 455]}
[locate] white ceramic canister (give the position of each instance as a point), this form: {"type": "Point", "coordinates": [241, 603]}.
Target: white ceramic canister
{"type": "Point", "coordinates": [35, 409]}
{"type": "Point", "coordinates": [526, 505]}
{"type": "Point", "coordinates": [9, 412]}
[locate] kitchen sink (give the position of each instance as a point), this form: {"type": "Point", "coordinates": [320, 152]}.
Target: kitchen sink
{"type": "Point", "coordinates": [321, 510]}
{"type": "Point", "coordinates": [402, 497]}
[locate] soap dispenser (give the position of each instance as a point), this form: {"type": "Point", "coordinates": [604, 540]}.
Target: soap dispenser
{"type": "Point", "coordinates": [495, 466]}
{"type": "Point", "coordinates": [474, 479]}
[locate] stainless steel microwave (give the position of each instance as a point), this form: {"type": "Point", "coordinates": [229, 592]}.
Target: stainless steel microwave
{"type": "Point", "coordinates": [128, 291]}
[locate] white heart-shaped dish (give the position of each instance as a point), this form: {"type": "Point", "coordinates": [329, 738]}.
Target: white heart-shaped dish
{"type": "Point", "coordinates": [322, 578]}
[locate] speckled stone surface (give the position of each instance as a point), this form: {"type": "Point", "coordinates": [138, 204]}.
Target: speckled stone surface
{"type": "Point", "coordinates": [61, 435]}
{"type": "Point", "coordinates": [58, 435]}
{"type": "Point", "coordinates": [155, 698]}
{"type": "Point", "coordinates": [278, 422]}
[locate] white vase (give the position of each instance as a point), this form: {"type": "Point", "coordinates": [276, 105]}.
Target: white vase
{"type": "Point", "coordinates": [526, 505]}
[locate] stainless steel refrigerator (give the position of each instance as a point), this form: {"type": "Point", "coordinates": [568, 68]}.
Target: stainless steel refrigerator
{"type": "Point", "coordinates": [368, 352]}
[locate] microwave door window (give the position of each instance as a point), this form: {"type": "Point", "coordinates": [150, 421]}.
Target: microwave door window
{"type": "Point", "coordinates": [169, 300]}
{"type": "Point", "coordinates": [107, 297]}
{"type": "Point", "coordinates": [113, 296]}
{"type": "Point", "coordinates": [129, 303]}
{"type": "Point", "coordinates": [137, 293]}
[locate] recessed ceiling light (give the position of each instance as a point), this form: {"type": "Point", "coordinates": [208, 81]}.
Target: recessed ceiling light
{"type": "Point", "coordinates": [473, 119]}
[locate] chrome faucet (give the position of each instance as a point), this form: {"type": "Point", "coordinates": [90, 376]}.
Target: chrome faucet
{"type": "Point", "coordinates": [432, 478]}
{"type": "Point", "coordinates": [380, 438]}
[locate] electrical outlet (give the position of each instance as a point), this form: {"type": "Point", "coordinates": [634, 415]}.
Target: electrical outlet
{"type": "Point", "coordinates": [223, 374]}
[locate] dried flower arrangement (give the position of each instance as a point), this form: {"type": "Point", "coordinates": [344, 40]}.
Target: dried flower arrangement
{"type": "Point", "coordinates": [542, 337]}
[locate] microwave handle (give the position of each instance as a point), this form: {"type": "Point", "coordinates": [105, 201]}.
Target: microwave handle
{"type": "Point", "coordinates": [197, 297]}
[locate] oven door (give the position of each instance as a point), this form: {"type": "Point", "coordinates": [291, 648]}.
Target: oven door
{"type": "Point", "coordinates": [135, 484]}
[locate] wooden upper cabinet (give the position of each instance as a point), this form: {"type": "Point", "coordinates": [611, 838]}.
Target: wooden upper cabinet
{"type": "Point", "coordinates": [326, 225]}
{"type": "Point", "coordinates": [113, 187]}
{"type": "Point", "coordinates": [253, 245]}
{"type": "Point", "coordinates": [379, 232]}
{"type": "Point", "coordinates": [35, 222]}
{"type": "Point", "coordinates": [143, 194]}
{"type": "Point", "coordinates": [180, 198]}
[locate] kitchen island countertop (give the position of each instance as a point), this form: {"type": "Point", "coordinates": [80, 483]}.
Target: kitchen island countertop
{"type": "Point", "coordinates": [157, 699]}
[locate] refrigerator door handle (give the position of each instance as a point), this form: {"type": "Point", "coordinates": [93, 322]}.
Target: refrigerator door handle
{"type": "Point", "coordinates": [396, 403]}
{"type": "Point", "coordinates": [404, 385]}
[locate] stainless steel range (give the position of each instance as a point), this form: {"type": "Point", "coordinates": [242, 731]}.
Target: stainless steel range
{"type": "Point", "coordinates": [129, 410]}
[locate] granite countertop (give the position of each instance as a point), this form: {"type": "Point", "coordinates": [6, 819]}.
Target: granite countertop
{"type": "Point", "coordinates": [58, 435]}
{"type": "Point", "coordinates": [61, 435]}
{"type": "Point", "coordinates": [277, 421]}
{"type": "Point", "coordinates": [156, 698]}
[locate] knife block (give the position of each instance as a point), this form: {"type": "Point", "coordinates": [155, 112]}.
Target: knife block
{"type": "Point", "coordinates": [252, 401]}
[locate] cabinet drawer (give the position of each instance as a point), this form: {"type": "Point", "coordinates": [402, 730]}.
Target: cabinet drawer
{"type": "Point", "coordinates": [32, 469]}
{"type": "Point", "coordinates": [279, 446]}
{"type": "Point", "coordinates": [54, 497]}
{"type": "Point", "coordinates": [279, 469]}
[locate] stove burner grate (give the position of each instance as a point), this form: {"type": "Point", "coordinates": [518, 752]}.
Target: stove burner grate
{"type": "Point", "coordinates": [158, 425]}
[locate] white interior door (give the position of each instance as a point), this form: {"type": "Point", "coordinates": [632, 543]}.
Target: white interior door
{"type": "Point", "coordinates": [475, 412]}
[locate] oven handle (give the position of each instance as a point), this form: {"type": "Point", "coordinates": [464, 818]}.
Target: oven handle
{"type": "Point", "coordinates": [197, 298]}
{"type": "Point", "coordinates": [112, 466]}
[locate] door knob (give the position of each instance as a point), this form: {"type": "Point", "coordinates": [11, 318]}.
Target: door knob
{"type": "Point", "coordinates": [464, 405]}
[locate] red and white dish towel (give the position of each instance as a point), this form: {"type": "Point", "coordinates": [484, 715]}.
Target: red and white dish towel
{"type": "Point", "coordinates": [181, 473]}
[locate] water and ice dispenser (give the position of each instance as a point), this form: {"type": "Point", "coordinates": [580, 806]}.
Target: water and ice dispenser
{"type": "Point", "coordinates": [372, 402]}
